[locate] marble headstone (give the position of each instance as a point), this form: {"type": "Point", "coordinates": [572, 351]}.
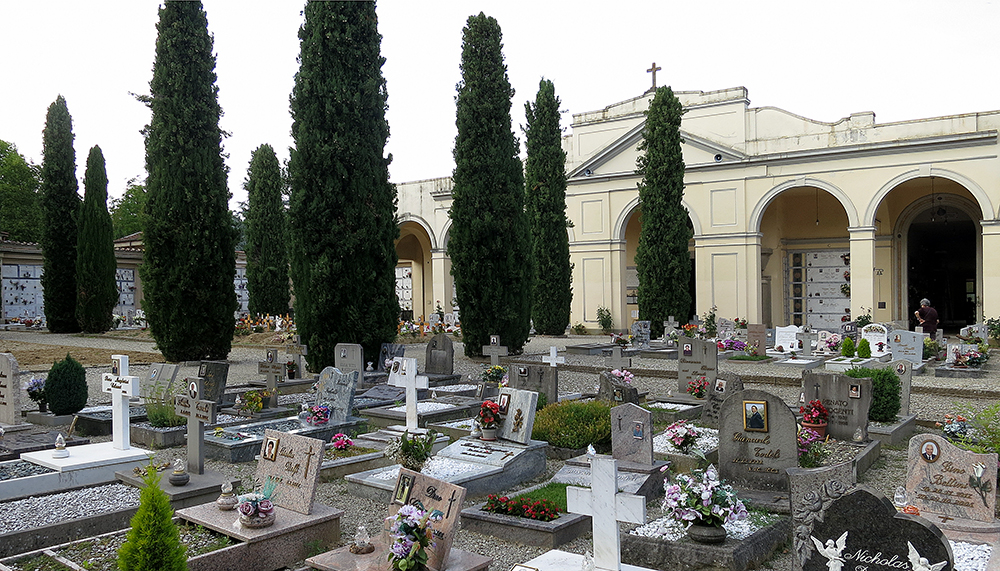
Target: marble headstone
{"type": "Point", "coordinates": [158, 382]}
{"type": "Point", "coordinates": [440, 356]}
{"type": "Point", "coordinates": [696, 358]}
{"type": "Point", "coordinates": [616, 391]}
{"type": "Point", "coordinates": [388, 352]}
{"type": "Point", "coordinates": [849, 329]}
{"type": "Point", "coordinates": [943, 479]}
{"type": "Point", "coordinates": [10, 391]}
{"type": "Point", "coordinates": [955, 349]}
{"type": "Point", "coordinates": [725, 328]}
{"type": "Point", "coordinates": [784, 337]}
{"type": "Point", "coordinates": [518, 410]}
{"type": "Point", "coordinates": [293, 462]}
{"type": "Point", "coordinates": [437, 496]}
{"type": "Point", "coordinates": [641, 334]}
{"type": "Point", "coordinates": [907, 345]}
{"type": "Point", "coordinates": [757, 441]}
{"type": "Point", "coordinates": [336, 390]}
{"type": "Point", "coordinates": [878, 338]}
{"type": "Point", "coordinates": [904, 370]}
{"type": "Point", "coordinates": [719, 391]}
{"type": "Point", "coordinates": [846, 399]}
{"type": "Point", "coordinates": [349, 357]}
{"type": "Point", "coordinates": [214, 375]}
{"type": "Point", "coordinates": [542, 379]}
{"type": "Point", "coordinates": [757, 333]}
{"type": "Point", "coordinates": [632, 434]}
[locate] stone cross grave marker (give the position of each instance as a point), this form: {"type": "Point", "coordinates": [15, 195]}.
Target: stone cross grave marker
{"type": "Point", "coordinates": [404, 374]}
{"type": "Point", "coordinates": [336, 390]}
{"type": "Point", "coordinates": [878, 338]}
{"type": "Point", "coordinates": [669, 326]}
{"type": "Point", "coordinates": [757, 333]}
{"type": "Point", "coordinates": [907, 345]}
{"type": "Point", "coordinates": [349, 357]}
{"type": "Point", "coordinates": [440, 498]}
{"type": "Point", "coordinates": [696, 358]}
{"type": "Point", "coordinates": [757, 441]}
{"type": "Point", "coordinates": [640, 334]}
{"type": "Point", "coordinates": [806, 338]}
{"type": "Point", "coordinates": [293, 462]}
{"type": "Point", "coordinates": [618, 360]}
{"type": "Point", "coordinates": [846, 399]}
{"type": "Point", "coordinates": [159, 381]}
{"type": "Point", "coordinates": [632, 434]}
{"type": "Point", "coordinates": [607, 507]}
{"type": "Point", "coordinates": [518, 410]}
{"type": "Point", "coordinates": [718, 392]}
{"type": "Point", "coordinates": [942, 479]}
{"type": "Point", "coordinates": [784, 337]}
{"type": "Point", "coordinates": [495, 350]}
{"type": "Point", "coordinates": [388, 352]}
{"type": "Point", "coordinates": [10, 404]}
{"type": "Point", "coordinates": [440, 357]}
{"type": "Point", "coordinates": [554, 359]}
{"type": "Point", "coordinates": [725, 328]}
{"type": "Point", "coordinates": [541, 379]}
{"type": "Point", "coordinates": [199, 412]}
{"type": "Point", "coordinates": [121, 386]}
{"type": "Point", "coordinates": [215, 375]}
{"type": "Point", "coordinates": [614, 390]}
{"type": "Point", "coordinates": [904, 370]}
{"type": "Point", "coordinates": [273, 369]}
{"type": "Point", "coordinates": [298, 350]}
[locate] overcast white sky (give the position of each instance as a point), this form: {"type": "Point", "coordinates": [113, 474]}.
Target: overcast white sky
{"type": "Point", "coordinates": [901, 59]}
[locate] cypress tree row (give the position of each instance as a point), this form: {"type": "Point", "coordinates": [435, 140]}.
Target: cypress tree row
{"type": "Point", "coordinates": [190, 257]}
{"type": "Point", "coordinates": [60, 204]}
{"type": "Point", "coordinates": [489, 241]}
{"type": "Point", "coordinates": [661, 258]}
{"type": "Point", "coordinates": [97, 291]}
{"type": "Point", "coordinates": [545, 203]}
{"type": "Point", "coordinates": [264, 225]}
{"type": "Point", "coordinates": [342, 210]}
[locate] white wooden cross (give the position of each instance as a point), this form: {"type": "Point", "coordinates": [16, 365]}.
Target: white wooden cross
{"type": "Point", "coordinates": [495, 350]}
{"type": "Point", "coordinates": [274, 370]}
{"type": "Point", "coordinates": [552, 359]}
{"type": "Point", "coordinates": [122, 387]}
{"type": "Point", "coordinates": [619, 361]}
{"type": "Point", "coordinates": [299, 350]}
{"type": "Point", "coordinates": [198, 412]}
{"type": "Point", "coordinates": [404, 374]}
{"type": "Point", "coordinates": [606, 507]}
{"type": "Point", "coordinates": [807, 339]}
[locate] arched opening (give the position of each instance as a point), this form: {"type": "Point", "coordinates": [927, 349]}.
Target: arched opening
{"type": "Point", "coordinates": [631, 276]}
{"type": "Point", "coordinates": [414, 273]}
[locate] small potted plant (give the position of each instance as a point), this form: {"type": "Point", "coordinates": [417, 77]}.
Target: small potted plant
{"type": "Point", "coordinates": [698, 388]}
{"type": "Point", "coordinates": [489, 419]}
{"type": "Point", "coordinates": [411, 453]}
{"type": "Point", "coordinates": [36, 392]}
{"type": "Point", "coordinates": [704, 500]}
{"type": "Point", "coordinates": [495, 374]}
{"type": "Point", "coordinates": [257, 509]}
{"type": "Point", "coordinates": [814, 417]}
{"type": "Point", "coordinates": [292, 369]}
{"type": "Point", "coordinates": [411, 532]}
{"type": "Point", "coordinates": [318, 415]}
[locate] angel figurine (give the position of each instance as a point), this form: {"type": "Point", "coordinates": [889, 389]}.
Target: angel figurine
{"type": "Point", "coordinates": [919, 563]}
{"type": "Point", "coordinates": [832, 551]}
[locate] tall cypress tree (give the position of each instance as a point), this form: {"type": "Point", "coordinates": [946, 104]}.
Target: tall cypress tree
{"type": "Point", "coordinates": [97, 291]}
{"type": "Point", "coordinates": [489, 241]}
{"type": "Point", "coordinates": [545, 203]}
{"type": "Point", "coordinates": [20, 202]}
{"type": "Point", "coordinates": [61, 204]}
{"type": "Point", "coordinates": [267, 258]}
{"type": "Point", "coordinates": [190, 258]}
{"type": "Point", "coordinates": [342, 210]}
{"type": "Point", "coordinates": [661, 258]}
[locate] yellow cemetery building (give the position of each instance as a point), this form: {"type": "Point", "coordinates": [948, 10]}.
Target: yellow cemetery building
{"type": "Point", "coordinates": [795, 221]}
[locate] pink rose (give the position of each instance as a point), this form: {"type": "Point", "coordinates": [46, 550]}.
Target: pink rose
{"type": "Point", "coordinates": [265, 507]}
{"type": "Point", "coordinates": [246, 508]}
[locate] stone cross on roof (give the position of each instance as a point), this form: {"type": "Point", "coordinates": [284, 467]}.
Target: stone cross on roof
{"type": "Point", "coordinates": [606, 507]}
{"type": "Point", "coordinates": [653, 69]}
{"type": "Point", "coordinates": [495, 350]}
{"type": "Point", "coordinates": [198, 412]}
{"type": "Point", "coordinates": [122, 387]}
{"type": "Point", "coordinates": [617, 360]}
{"type": "Point", "coordinates": [553, 359]}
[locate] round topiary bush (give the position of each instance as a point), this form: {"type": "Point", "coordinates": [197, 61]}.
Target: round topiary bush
{"type": "Point", "coordinates": [574, 424]}
{"type": "Point", "coordinates": [885, 392]}
{"type": "Point", "coordinates": [864, 349]}
{"type": "Point", "coordinates": [847, 347]}
{"type": "Point", "coordinates": [66, 387]}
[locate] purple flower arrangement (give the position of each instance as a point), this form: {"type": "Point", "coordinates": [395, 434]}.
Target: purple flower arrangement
{"type": "Point", "coordinates": [410, 531]}
{"type": "Point", "coordinates": [702, 497]}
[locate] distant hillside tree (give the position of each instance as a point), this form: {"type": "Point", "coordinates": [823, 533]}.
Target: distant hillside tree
{"type": "Point", "coordinates": [661, 258]}
{"type": "Point", "coordinates": [61, 204]}
{"type": "Point", "coordinates": [489, 240]}
{"type": "Point", "coordinates": [190, 257]}
{"type": "Point", "coordinates": [342, 208]}
{"type": "Point", "coordinates": [20, 204]}
{"type": "Point", "coordinates": [128, 212]}
{"type": "Point", "coordinates": [264, 227]}
{"type": "Point", "coordinates": [97, 290]}
{"type": "Point", "coordinates": [545, 203]}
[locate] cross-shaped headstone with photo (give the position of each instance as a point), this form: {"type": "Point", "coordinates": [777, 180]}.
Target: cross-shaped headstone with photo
{"type": "Point", "coordinates": [273, 369]}
{"type": "Point", "coordinates": [632, 434]}
{"type": "Point", "coordinates": [607, 507]}
{"type": "Point", "coordinates": [669, 327]}
{"type": "Point", "coordinates": [122, 387]}
{"type": "Point", "coordinates": [495, 350]}
{"type": "Point", "coordinates": [199, 412]}
{"type": "Point", "coordinates": [336, 390]}
{"type": "Point", "coordinates": [404, 374]}
{"type": "Point", "coordinates": [518, 410]}
{"type": "Point", "coordinates": [349, 357]}
{"type": "Point", "coordinates": [293, 462]}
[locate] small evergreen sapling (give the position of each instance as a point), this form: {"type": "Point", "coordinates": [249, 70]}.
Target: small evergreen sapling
{"type": "Point", "coordinates": [864, 349]}
{"type": "Point", "coordinates": [847, 347]}
{"type": "Point", "coordinates": [153, 542]}
{"type": "Point", "coordinates": [66, 387]}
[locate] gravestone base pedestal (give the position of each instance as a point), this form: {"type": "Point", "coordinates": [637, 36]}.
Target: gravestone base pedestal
{"type": "Point", "coordinates": [383, 436]}
{"type": "Point", "coordinates": [894, 434]}
{"type": "Point", "coordinates": [200, 489]}
{"type": "Point", "coordinates": [959, 373]}
{"type": "Point", "coordinates": [589, 348]}
{"type": "Point", "coordinates": [49, 419]}
{"type": "Point", "coordinates": [343, 560]}
{"type": "Point", "coordinates": [87, 465]}
{"type": "Point", "coordinates": [558, 560]}
{"type": "Point", "coordinates": [841, 364]}
{"type": "Point", "coordinates": [265, 414]}
{"type": "Point", "coordinates": [13, 445]}
{"type": "Point", "coordinates": [659, 351]}
{"type": "Point", "coordinates": [11, 428]}
{"type": "Point", "coordinates": [633, 478]}
{"type": "Point", "coordinates": [801, 362]}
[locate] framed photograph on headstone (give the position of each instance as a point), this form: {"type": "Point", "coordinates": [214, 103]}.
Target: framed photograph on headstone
{"type": "Point", "coordinates": [755, 415]}
{"type": "Point", "coordinates": [404, 485]}
{"type": "Point", "coordinates": [855, 392]}
{"type": "Point", "coordinates": [395, 366]}
{"type": "Point", "coordinates": [522, 371]}
{"type": "Point", "coordinates": [503, 402]}
{"type": "Point", "coordinates": [270, 449]}
{"type": "Point", "coordinates": [929, 451]}
{"type": "Point", "coordinates": [494, 339]}
{"type": "Point", "coordinates": [272, 355]}
{"type": "Point", "coordinates": [720, 386]}
{"type": "Point", "coordinates": [638, 430]}
{"type": "Point", "coordinates": [619, 395]}
{"type": "Point", "coordinates": [116, 367]}
{"type": "Point", "coordinates": [343, 352]}
{"type": "Point", "coordinates": [686, 347]}
{"type": "Point", "coordinates": [203, 369]}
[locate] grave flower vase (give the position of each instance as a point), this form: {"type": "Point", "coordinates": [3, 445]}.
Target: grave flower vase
{"type": "Point", "coordinates": [817, 428]}
{"type": "Point", "coordinates": [257, 521]}
{"type": "Point", "coordinates": [706, 533]}
{"type": "Point", "coordinates": [489, 434]}
{"type": "Point", "coordinates": [43, 407]}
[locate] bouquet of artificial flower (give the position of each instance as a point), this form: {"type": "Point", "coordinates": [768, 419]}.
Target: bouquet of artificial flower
{"type": "Point", "coordinates": [697, 387]}
{"type": "Point", "coordinates": [36, 389]}
{"type": "Point", "coordinates": [702, 496]}
{"type": "Point", "coordinates": [410, 531]}
{"type": "Point", "coordinates": [258, 504]}
{"type": "Point", "coordinates": [495, 374]}
{"type": "Point", "coordinates": [682, 435]}
{"type": "Point", "coordinates": [319, 414]}
{"type": "Point", "coordinates": [623, 375]}
{"type": "Point", "coordinates": [340, 441]}
{"type": "Point", "coordinates": [814, 412]}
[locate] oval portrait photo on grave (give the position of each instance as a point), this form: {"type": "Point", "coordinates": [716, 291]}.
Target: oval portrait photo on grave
{"type": "Point", "coordinates": [929, 451]}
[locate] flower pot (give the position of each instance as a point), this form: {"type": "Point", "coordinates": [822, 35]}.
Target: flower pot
{"type": "Point", "coordinates": [489, 434]}
{"type": "Point", "coordinates": [706, 533]}
{"type": "Point", "coordinates": [291, 373]}
{"type": "Point", "coordinates": [265, 403]}
{"type": "Point", "coordinates": [257, 522]}
{"type": "Point", "coordinates": [817, 428]}
{"type": "Point", "coordinates": [43, 407]}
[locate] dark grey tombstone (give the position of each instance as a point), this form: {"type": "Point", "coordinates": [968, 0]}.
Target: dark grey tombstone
{"type": "Point", "coordinates": [388, 351]}
{"type": "Point", "coordinates": [440, 356]}
{"type": "Point", "coordinates": [215, 374]}
{"type": "Point", "coordinates": [385, 393]}
{"type": "Point", "coordinates": [769, 336]}
{"type": "Point", "coordinates": [757, 333]}
{"type": "Point", "coordinates": [158, 382]}
{"type": "Point", "coordinates": [862, 526]}
{"type": "Point", "coordinates": [849, 329]}
{"type": "Point", "coordinates": [632, 434]}
{"type": "Point", "coordinates": [696, 358]}
{"type": "Point", "coordinates": [719, 391]}
{"type": "Point", "coordinates": [541, 379]}
{"type": "Point", "coordinates": [846, 399]}
{"type": "Point", "coordinates": [755, 451]}
{"type": "Point", "coordinates": [349, 357]}
{"type": "Point", "coordinates": [641, 334]}
{"type": "Point", "coordinates": [336, 390]}
{"type": "Point", "coordinates": [613, 390]}
{"type": "Point", "coordinates": [809, 489]}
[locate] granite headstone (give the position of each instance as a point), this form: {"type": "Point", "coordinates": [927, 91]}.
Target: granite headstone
{"type": "Point", "coordinates": [719, 391]}
{"type": "Point", "coordinates": [388, 352]}
{"type": "Point", "coordinates": [10, 391]}
{"type": "Point", "coordinates": [615, 390]}
{"type": "Point", "coordinates": [632, 434]}
{"type": "Point", "coordinates": [725, 328]}
{"type": "Point", "coordinates": [907, 345]}
{"type": "Point", "coordinates": [943, 479]}
{"type": "Point", "coordinates": [757, 334]}
{"type": "Point", "coordinates": [542, 379]}
{"type": "Point", "coordinates": [440, 358]}
{"type": "Point", "coordinates": [696, 358]}
{"type": "Point", "coordinates": [158, 382]}
{"type": "Point", "coordinates": [757, 441]}
{"type": "Point", "coordinates": [904, 370]}
{"type": "Point", "coordinates": [641, 334]}
{"type": "Point", "coordinates": [436, 496]}
{"type": "Point", "coordinates": [336, 390]}
{"type": "Point", "coordinates": [518, 410]}
{"type": "Point", "coordinates": [293, 462]}
{"type": "Point", "coordinates": [809, 490]}
{"type": "Point", "coordinates": [847, 400]}
{"type": "Point", "coordinates": [214, 375]}
{"type": "Point", "coordinates": [349, 357]}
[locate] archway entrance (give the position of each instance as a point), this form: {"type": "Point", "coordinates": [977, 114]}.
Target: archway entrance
{"type": "Point", "coordinates": [941, 264]}
{"type": "Point", "coordinates": [414, 273]}
{"type": "Point", "coordinates": [631, 276]}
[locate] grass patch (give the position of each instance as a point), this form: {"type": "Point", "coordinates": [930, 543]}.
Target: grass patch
{"type": "Point", "coordinates": [555, 493]}
{"type": "Point", "coordinates": [749, 358]}
{"type": "Point", "coordinates": [40, 562]}
{"type": "Point", "coordinates": [334, 454]}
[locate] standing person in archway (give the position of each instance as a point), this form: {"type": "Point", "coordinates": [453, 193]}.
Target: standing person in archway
{"type": "Point", "coordinates": [927, 316]}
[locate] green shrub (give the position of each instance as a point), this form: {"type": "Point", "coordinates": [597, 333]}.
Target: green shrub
{"type": "Point", "coordinates": [160, 407]}
{"type": "Point", "coordinates": [153, 542]}
{"type": "Point", "coordinates": [931, 348]}
{"type": "Point", "coordinates": [579, 329]}
{"type": "Point", "coordinates": [864, 349]}
{"type": "Point", "coordinates": [604, 320]}
{"type": "Point", "coordinates": [847, 347]}
{"type": "Point", "coordinates": [885, 392]}
{"type": "Point", "coordinates": [543, 400]}
{"type": "Point", "coordinates": [66, 387]}
{"type": "Point", "coordinates": [574, 424]}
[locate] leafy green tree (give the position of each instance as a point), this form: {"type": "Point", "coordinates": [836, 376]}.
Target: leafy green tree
{"type": "Point", "coordinates": [97, 291]}
{"type": "Point", "coordinates": [128, 212]}
{"type": "Point", "coordinates": [545, 202]}
{"type": "Point", "coordinates": [190, 256]}
{"type": "Point", "coordinates": [61, 204]}
{"type": "Point", "coordinates": [153, 542]}
{"type": "Point", "coordinates": [661, 258]}
{"type": "Point", "coordinates": [20, 206]}
{"type": "Point", "coordinates": [342, 208]}
{"type": "Point", "coordinates": [264, 225]}
{"type": "Point", "coordinates": [489, 241]}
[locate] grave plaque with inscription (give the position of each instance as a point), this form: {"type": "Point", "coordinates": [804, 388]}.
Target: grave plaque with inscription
{"type": "Point", "coordinates": [336, 390]}
{"type": "Point", "coordinates": [159, 381]}
{"type": "Point", "coordinates": [440, 498]}
{"type": "Point", "coordinates": [757, 441]}
{"type": "Point", "coordinates": [541, 379]}
{"type": "Point", "coordinates": [757, 333]}
{"type": "Point", "coordinates": [696, 358]}
{"type": "Point", "coordinates": [719, 391]}
{"type": "Point", "coordinates": [641, 334]}
{"type": "Point", "coordinates": [632, 434]}
{"type": "Point", "coordinates": [943, 479]}
{"type": "Point", "coordinates": [518, 408]}
{"type": "Point", "coordinates": [293, 462]}
{"type": "Point", "coordinates": [10, 404]}
{"type": "Point", "coordinates": [349, 357]}
{"type": "Point", "coordinates": [214, 374]}
{"type": "Point", "coordinates": [907, 345]}
{"type": "Point", "coordinates": [846, 399]}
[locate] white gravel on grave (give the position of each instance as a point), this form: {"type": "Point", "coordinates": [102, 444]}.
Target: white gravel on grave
{"type": "Point", "coordinates": [437, 467]}
{"type": "Point", "coordinates": [971, 556]}
{"type": "Point", "coordinates": [465, 424]}
{"type": "Point", "coordinates": [454, 388]}
{"type": "Point", "coordinates": [670, 406]}
{"type": "Point", "coordinates": [391, 474]}
{"type": "Point", "coordinates": [425, 407]}
{"type": "Point", "coordinates": [37, 511]}
{"type": "Point", "coordinates": [708, 439]}
{"type": "Point", "coordinates": [671, 530]}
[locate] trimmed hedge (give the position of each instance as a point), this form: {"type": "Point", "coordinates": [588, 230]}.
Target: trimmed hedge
{"type": "Point", "coordinates": [574, 424]}
{"type": "Point", "coordinates": [886, 391]}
